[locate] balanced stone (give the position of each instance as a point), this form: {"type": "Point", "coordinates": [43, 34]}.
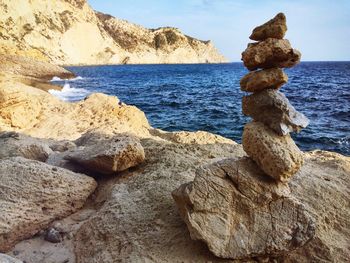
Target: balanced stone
{"type": "Point", "coordinates": [259, 80]}
{"type": "Point", "coordinates": [273, 109]}
{"type": "Point", "coordinates": [241, 213]}
{"type": "Point", "coordinates": [270, 53]}
{"type": "Point", "coordinates": [275, 28]}
{"type": "Point", "coordinates": [278, 156]}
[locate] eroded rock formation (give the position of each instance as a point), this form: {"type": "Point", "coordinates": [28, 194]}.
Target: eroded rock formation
{"type": "Point", "coordinates": [71, 32]}
{"type": "Point", "coordinates": [132, 217]}
{"type": "Point", "coordinates": [33, 194]}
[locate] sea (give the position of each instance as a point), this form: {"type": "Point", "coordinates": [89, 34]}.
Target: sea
{"type": "Point", "coordinates": [207, 97]}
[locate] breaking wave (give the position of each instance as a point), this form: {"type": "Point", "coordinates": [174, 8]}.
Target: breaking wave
{"type": "Point", "coordinates": [69, 93]}
{"type": "Point", "coordinates": [58, 79]}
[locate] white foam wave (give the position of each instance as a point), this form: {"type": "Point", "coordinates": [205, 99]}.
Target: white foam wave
{"type": "Point", "coordinates": [57, 79]}
{"type": "Point", "coordinates": [69, 93]}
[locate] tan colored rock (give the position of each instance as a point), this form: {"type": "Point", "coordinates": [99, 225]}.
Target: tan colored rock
{"type": "Point", "coordinates": [270, 53]}
{"type": "Point", "coordinates": [30, 68]}
{"type": "Point", "coordinates": [323, 186]}
{"type": "Point", "coordinates": [13, 144]}
{"type": "Point", "coordinates": [107, 154]}
{"type": "Point", "coordinates": [278, 156]}
{"type": "Point", "coordinates": [272, 108]}
{"type": "Point", "coordinates": [240, 213]}
{"type": "Point", "coordinates": [274, 28]}
{"type": "Point", "coordinates": [68, 32]}
{"type": "Point", "coordinates": [34, 112]}
{"type": "Point", "coordinates": [33, 194]}
{"type": "Point", "coordinates": [7, 259]}
{"type": "Point", "coordinates": [260, 80]}
{"type": "Point", "coordinates": [139, 220]}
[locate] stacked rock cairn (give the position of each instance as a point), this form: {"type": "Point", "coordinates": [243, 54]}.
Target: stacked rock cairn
{"type": "Point", "coordinates": [275, 152]}
{"type": "Point", "coordinates": [242, 207]}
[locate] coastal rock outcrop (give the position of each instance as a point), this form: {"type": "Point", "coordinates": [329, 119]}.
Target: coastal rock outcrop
{"type": "Point", "coordinates": [278, 156]}
{"type": "Point", "coordinates": [31, 68]}
{"type": "Point", "coordinates": [240, 213]}
{"type": "Point", "coordinates": [33, 194]}
{"type": "Point", "coordinates": [36, 112]}
{"type": "Point", "coordinates": [272, 108]}
{"type": "Point", "coordinates": [107, 154]}
{"type": "Point", "coordinates": [132, 217]}
{"type": "Point", "coordinates": [72, 33]}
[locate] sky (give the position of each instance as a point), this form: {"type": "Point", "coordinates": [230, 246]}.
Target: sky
{"type": "Point", "coordinates": [319, 29]}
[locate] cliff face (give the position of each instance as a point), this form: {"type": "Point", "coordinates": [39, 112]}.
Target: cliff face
{"type": "Point", "coordinates": [70, 32]}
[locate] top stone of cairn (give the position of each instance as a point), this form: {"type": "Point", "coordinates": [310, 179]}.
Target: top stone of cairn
{"type": "Point", "coordinates": [274, 28]}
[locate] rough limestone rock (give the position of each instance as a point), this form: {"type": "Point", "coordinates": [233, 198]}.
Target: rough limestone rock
{"type": "Point", "coordinates": [33, 194]}
{"type": "Point", "coordinates": [30, 68]}
{"type": "Point", "coordinates": [270, 53]}
{"type": "Point", "coordinates": [7, 259]}
{"type": "Point", "coordinates": [323, 185]}
{"type": "Point", "coordinates": [68, 32]}
{"type": "Point", "coordinates": [278, 156]}
{"type": "Point", "coordinates": [37, 113]}
{"type": "Point", "coordinates": [275, 28]}
{"type": "Point", "coordinates": [240, 213]}
{"type": "Point", "coordinates": [139, 220]}
{"type": "Point", "coordinates": [107, 155]}
{"type": "Point", "coordinates": [260, 80]}
{"type": "Point", "coordinates": [14, 144]}
{"type": "Point", "coordinates": [272, 108]}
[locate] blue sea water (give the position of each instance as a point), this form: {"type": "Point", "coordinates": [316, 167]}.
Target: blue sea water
{"type": "Point", "coordinates": [207, 97]}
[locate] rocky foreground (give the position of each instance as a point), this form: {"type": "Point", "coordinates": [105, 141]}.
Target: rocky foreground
{"type": "Point", "coordinates": [70, 32]}
{"type": "Point", "coordinates": [91, 181]}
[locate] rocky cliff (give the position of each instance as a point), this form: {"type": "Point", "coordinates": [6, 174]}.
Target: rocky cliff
{"type": "Point", "coordinates": [70, 32]}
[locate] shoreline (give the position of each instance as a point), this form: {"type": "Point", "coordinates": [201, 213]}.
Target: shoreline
{"type": "Point", "coordinates": [39, 130]}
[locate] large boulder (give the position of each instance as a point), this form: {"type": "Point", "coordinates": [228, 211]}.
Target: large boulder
{"type": "Point", "coordinates": [139, 221]}
{"type": "Point", "coordinates": [274, 28]}
{"type": "Point", "coordinates": [14, 144]}
{"type": "Point", "coordinates": [107, 154]}
{"type": "Point", "coordinates": [323, 185]}
{"type": "Point", "coordinates": [259, 80]}
{"type": "Point", "coordinates": [270, 53]}
{"type": "Point", "coordinates": [241, 213]}
{"type": "Point", "coordinates": [278, 156]}
{"type": "Point", "coordinates": [33, 194]}
{"type": "Point", "coordinates": [272, 108]}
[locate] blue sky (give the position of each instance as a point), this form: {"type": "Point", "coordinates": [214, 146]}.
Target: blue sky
{"type": "Point", "coordinates": [319, 29]}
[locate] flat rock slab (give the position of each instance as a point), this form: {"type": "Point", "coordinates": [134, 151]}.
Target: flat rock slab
{"type": "Point", "coordinates": [270, 53]}
{"type": "Point", "coordinates": [241, 213]}
{"type": "Point", "coordinates": [278, 156]}
{"type": "Point", "coordinates": [107, 154]}
{"type": "Point", "coordinates": [274, 28]}
{"type": "Point", "coordinates": [260, 80]}
{"type": "Point", "coordinates": [272, 108]}
{"type": "Point", "coordinates": [33, 194]}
